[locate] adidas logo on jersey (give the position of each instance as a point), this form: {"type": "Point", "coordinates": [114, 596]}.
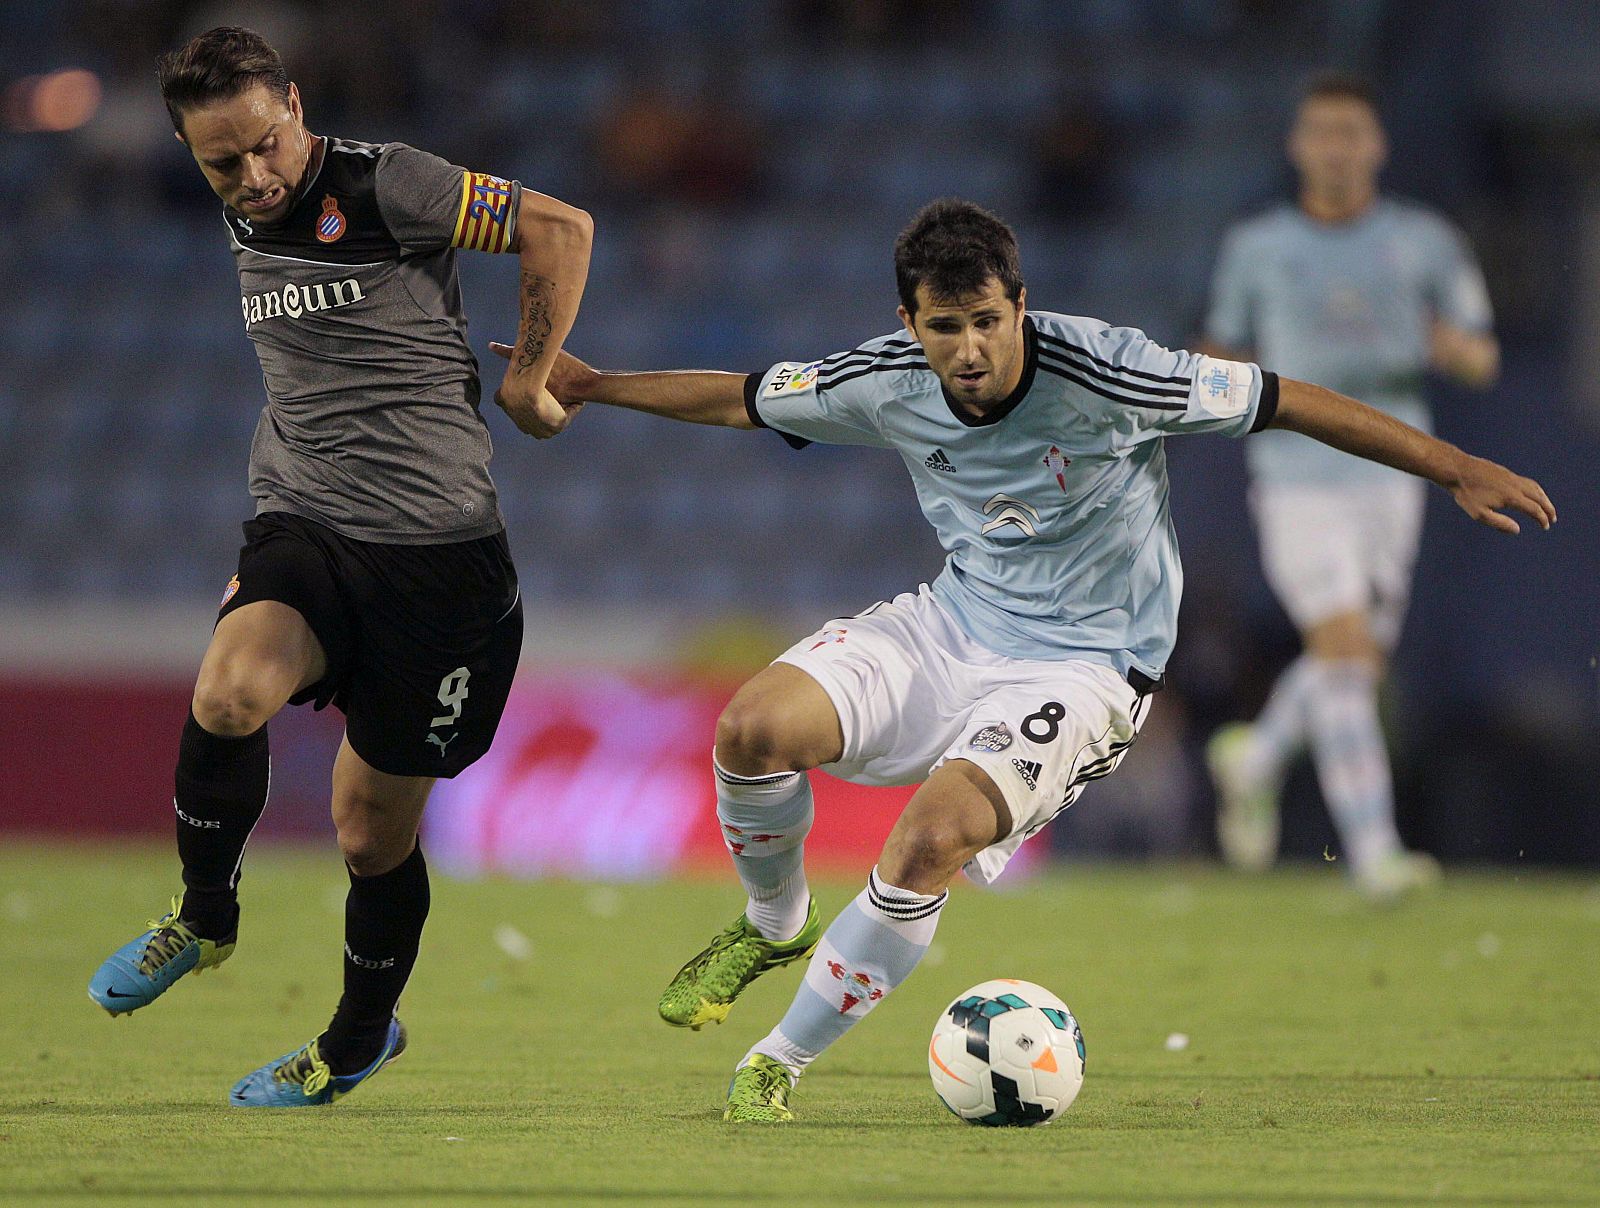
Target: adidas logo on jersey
{"type": "Point", "coordinates": [938, 461]}
{"type": "Point", "coordinates": [1028, 770]}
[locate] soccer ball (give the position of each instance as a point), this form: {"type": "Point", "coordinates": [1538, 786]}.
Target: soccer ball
{"type": "Point", "coordinates": [1007, 1053]}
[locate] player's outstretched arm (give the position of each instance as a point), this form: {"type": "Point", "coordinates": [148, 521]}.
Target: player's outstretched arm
{"type": "Point", "coordinates": [693, 395]}
{"type": "Point", "coordinates": [1482, 488]}
{"type": "Point", "coordinates": [553, 243]}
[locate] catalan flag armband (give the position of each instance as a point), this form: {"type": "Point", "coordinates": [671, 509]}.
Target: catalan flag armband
{"type": "Point", "coordinates": [487, 219]}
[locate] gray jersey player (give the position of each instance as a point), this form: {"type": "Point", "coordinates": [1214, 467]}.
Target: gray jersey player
{"type": "Point", "coordinates": [375, 573]}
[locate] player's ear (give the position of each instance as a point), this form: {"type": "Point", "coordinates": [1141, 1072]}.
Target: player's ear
{"type": "Point", "coordinates": [907, 321]}
{"type": "Point", "coordinates": [178, 134]}
{"type": "Point", "coordinates": [295, 110]}
{"type": "Point", "coordinates": [1022, 304]}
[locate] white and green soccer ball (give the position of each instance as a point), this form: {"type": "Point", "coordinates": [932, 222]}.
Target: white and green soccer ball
{"type": "Point", "coordinates": [1007, 1053]}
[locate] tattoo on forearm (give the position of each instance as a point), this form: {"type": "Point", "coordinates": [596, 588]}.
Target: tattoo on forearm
{"type": "Point", "coordinates": [538, 296]}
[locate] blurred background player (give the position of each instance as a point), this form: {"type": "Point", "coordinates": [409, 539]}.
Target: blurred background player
{"type": "Point", "coordinates": [1035, 444]}
{"type": "Point", "coordinates": [1363, 294]}
{"type": "Point", "coordinates": [376, 573]}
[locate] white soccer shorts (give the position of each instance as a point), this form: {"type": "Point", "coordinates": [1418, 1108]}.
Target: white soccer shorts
{"type": "Point", "coordinates": [1328, 550]}
{"type": "Point", "coordinates": [912, 690]}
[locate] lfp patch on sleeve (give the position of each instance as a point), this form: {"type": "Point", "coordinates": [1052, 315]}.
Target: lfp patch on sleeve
{"type": "Point", "coordinates": [1223, 387]}
{"type": "Point", "coordinates": [792, 377]}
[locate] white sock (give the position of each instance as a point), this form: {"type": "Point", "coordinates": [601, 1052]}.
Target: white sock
{"type": "Point", "coordinates": [765, 820]}
{"type": "Point", "coordinates": [867, 951]}
{"type": "Point", "coordinates": [1351, 758]}
{"type": "Point", "coordinates": [782, 1050]}
{"type": "Point", "coordinates": [1279, 733]}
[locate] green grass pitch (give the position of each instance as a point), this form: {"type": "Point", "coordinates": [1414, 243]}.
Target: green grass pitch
{"type": "Point", "coordinates": [1444, 1051]}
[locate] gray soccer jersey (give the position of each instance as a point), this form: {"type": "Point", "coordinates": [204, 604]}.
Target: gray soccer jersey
{"type": "Point", "coordinates": [371, 425]}
{"type": "Point", "coordinates": [1347, 306]}
{"type": "Point", "coordinates": [1053, 507]}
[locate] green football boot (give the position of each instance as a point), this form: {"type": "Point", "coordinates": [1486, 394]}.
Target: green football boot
{"type": "Point", "coordinates": [704, 990]}
{"type": "Point", "coordinates": [759, 1093]}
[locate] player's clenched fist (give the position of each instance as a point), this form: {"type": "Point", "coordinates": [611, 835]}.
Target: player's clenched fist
{"type": "Point", "coordinates": [538, 412]}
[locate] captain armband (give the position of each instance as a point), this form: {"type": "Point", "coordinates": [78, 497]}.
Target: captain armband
{"type": "Point", "coordinates": [487, 218]}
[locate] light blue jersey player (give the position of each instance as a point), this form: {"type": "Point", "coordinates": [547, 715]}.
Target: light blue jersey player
{"type": "Point", "coordinates": [1053, 504]}
{"type": "Point", "coordinates": [1364, 295]}
{"type": "Point", "coordinates": [1036, 446]}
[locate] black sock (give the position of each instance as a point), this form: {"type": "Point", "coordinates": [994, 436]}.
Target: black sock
{"type": "Point", "coordinates": [220, 791]}
{"type": "Point", "coordinates": [383, 919]}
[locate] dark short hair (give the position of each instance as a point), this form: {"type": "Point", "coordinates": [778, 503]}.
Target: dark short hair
{"type": "Point", "coordinates": [218, 65]}
{"type": "Point", "coordinates": [955, 248]}
{"type": "Point", "coordinates": [1340, 86]}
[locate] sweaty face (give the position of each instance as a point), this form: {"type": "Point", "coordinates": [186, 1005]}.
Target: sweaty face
{"type": "Point", "coordinates": [973, 343]}
{"type": "Point", "coordinates": [253, 150]}
{"type": "Point", "coordinates": [1337, 145]}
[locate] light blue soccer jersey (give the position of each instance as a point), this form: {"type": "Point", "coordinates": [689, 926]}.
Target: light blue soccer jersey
{"type": "Point", "coordinates": [1053, 507]}
{"type": "Point", "coordinates": [1348, 306]}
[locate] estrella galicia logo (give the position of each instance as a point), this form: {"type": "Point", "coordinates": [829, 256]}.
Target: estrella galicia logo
{"type": "Point", "coordinates": [991, 738]}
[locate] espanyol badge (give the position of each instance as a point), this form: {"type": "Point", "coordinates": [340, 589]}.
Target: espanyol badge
{"type": "Point", "coordinates": [991, 738]}
{"type": "Point", "coordinates": [330, 226]}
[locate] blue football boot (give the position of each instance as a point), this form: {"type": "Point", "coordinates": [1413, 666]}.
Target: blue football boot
{"type": "Point", "coordinates": [140, 971]}
{"type": "Point", "coordinates": [303, 1079]}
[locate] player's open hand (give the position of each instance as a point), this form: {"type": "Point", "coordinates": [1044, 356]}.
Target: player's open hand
{"type": "Point", "coordinates": [1484, 490]}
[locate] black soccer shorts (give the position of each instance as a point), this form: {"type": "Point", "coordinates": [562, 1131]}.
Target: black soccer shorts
{"type": "Point", "coordinates": [422, 641]}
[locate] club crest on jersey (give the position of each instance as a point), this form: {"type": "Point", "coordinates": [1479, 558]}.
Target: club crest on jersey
{"type": "Point", "coordinates": [991, 738]}
{"type": "Point", "coordinates": [230, 591]}
{"type": "Point", "coordinates": [830, 637]}
{"type": "Point", "coordinates": [793, 377]}
{"type": "Point", "coordinates": [1057, 464]}
{"type": "Point", "coordinates": [331, 225]}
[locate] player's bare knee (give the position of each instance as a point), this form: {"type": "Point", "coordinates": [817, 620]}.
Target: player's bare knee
{"type": "Point", "coordinates": [1344, 638]}
{"type": "Point", "coordinates": [924, 857]}
{"type": "Point", "coordinates": [750, 740]}
{"type": "Point", "coordinates": [229, 705]}
{"type": "Point", "coordinates": [369, 851]}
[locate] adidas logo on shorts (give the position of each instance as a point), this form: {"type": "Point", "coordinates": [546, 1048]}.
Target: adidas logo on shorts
{"type": "Point", "coordinates": [938, 461]}
{"type": "Point", "coordinates": [1028, 770]}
